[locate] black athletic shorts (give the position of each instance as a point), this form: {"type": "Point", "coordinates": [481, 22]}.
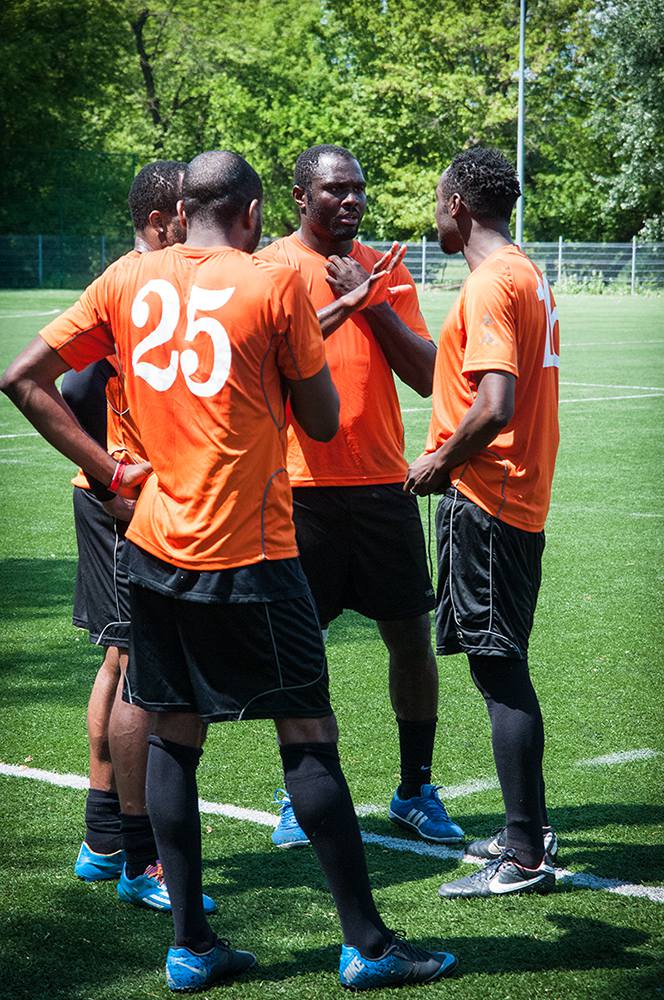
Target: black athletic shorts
{"type": "Point", "coordinates": [239, 657]}
{"type": "Point", "coordinates": [101, 598]}
{"type": "Point", "coordinates": [489, 575]}
{"type": "Point", "coordinates": [362, 547]}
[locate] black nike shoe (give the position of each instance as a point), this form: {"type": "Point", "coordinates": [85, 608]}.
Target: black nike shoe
{"type": "Point", "coordinates": [493, 847]}
{"type": "Point", "coordinates": [503, 876]}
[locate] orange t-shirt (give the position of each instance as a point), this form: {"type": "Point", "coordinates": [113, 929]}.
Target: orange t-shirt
{"type": "Point", "coordinates": [369, 446]}
{"type": "Point", "coordinates": [505, 319]}
{"type": "Point", "coordinates": [203, 337]}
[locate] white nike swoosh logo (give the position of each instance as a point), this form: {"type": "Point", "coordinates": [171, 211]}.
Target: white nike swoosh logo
{"type": "Point", "coordinates": [502, 887]}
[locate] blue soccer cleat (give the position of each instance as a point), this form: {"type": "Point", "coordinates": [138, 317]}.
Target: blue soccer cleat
{"type": "Point", "coordinates": [426, 815]}
{"type": "Point", "coordinates": [401, 965]}
{"type": "Point", "coordinates": [288, 833]}
{"type": "Point", "coordinates": [93, 867]}
{"type": "Point", "coordinates": [187, 972]}
{"type": "Point", "coordinates": [150, 890]}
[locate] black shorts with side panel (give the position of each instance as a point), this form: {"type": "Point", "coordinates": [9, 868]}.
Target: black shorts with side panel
{"type": "Point", "coordinates": [230, 659]}
{"type": "Point", "coordinates": [362, 547]}
{"type": "Point", "coordinates": [489, 576]}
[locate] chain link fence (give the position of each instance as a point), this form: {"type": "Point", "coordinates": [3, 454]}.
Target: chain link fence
{"type": "Point", "coordinates": [73, 261]}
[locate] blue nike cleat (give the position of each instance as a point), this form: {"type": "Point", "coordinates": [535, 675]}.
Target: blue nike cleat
{"type": "Point", "coordinates": [426, 815]}
{"type": "Point", "coordinates": [187, 972]}
{"type": "Point", "coordinates": [402, 964]}
{"type": "Point", "coordinates": [93, 867]}
{"type": "Point", "coordinates": [288, 833]}
{"type": "Point", "coordinates": [150, 890]}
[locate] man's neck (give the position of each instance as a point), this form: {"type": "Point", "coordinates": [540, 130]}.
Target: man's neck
{"type": "Point", "coordinates": [142, 244]}
{"type": "Point", "coordinates": [485, 238]}
{"type": "Point", "coordinates": [326, 246]}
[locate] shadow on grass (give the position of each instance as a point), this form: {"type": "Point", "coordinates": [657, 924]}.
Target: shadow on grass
{"type": "Point", "coordinates": [83, 946]}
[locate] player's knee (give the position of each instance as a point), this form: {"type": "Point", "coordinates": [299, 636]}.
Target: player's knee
{"type": "Point", "coordinates": [408, 642]}
{"type": "Point", "coordinates": [322, 730]}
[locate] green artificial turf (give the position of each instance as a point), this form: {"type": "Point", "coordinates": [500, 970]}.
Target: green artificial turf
{"type": "Point", "coordinates": [596, 661]}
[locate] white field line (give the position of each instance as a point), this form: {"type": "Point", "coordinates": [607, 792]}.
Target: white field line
{"type": "Point", "coordinates": [623, 757]}
{"type": "Point", "coordinates": [23, 434]}
{"type": "Point", "coordinates": [607, 385]}
{"type": "Point", "coordinates": [27, 315]}
{"type": "Point", "coordinates": [578, 879]}
{"type": "Point", "coordinates": [610, 343]}
{"type": "Point", "coordinates": [602, 399]}
{"type": "Point", "coordinates": [447, 792]}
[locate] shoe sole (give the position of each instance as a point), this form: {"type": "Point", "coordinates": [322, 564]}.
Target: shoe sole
{"type": "Point", "coordinates": [442, 973]}
{"type": "Point", "coordinates": [541, 889]}
{"type": "Point", "coordinates": [406, 825]}
{"type": "Point", "coordinates": [293, 843]}
{"type": "Point", "coordinates": [226, 977]}
{"type": "Point", "coordinates": [111, 877]}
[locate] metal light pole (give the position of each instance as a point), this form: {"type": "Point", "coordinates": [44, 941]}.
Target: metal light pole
{"type": "Point", "coordinates": [520, 121]}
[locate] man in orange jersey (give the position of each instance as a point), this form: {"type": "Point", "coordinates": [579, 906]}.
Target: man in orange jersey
{"type": "Point", "coordinates": [491, 451]}
{"type": "Point", "coordinates": [118, 840]}
{"type": "Point", "coordinates": [360, 537]}
{"type": "Point", "coordinates": [223, 623]}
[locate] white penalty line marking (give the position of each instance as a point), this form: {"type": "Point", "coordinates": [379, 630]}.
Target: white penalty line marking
{"type": "Point", "coordinates": [28, 315]}
{"type": "Point", "coordinates": [23, 434]}
{"type": "Point", "coordinates": [603, 399]}
{"type": "Point", "coordinates": [608, 385]}
{"type": "Point", "coordinates": [622, 757]}
{"type": "Point", "coordinates": [580, 880]}
{"type": "Point", "coordinates": [610, 343]}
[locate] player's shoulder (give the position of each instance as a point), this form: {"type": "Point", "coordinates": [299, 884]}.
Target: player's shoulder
{"type": "Point", "coordinates": [284, 250]}
{"type": "Point", "coordinates": [274, 272]}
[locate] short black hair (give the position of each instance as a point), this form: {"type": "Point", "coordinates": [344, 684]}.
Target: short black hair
{"type": "Point", "coordinates": [158, 186]}
{"type": "Point", "coordinates": [486, 181]}
{"type": "Point", "coordinates": [306, 164]}
{"type": "Point", "coordinates": [218, 185]}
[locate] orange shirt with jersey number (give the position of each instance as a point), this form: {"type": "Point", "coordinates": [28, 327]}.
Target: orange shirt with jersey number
{"type": "Point", "coordinates": [505, 319]}
{"type": "Point", "coordinates": [204, 338]}
{"type": "Point", "coordinates": [369, 445]}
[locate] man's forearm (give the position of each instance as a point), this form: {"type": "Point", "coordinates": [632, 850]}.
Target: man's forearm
{"type": "Point", "coordinates": [47, 411]}
{"type": "Point", "coordinates": [478, 429]}
{"type": "Point", "coordinates": [411, 357]}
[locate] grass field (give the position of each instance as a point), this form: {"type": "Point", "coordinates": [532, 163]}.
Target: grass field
{"type": "Point", "coordinates": [596, 660]}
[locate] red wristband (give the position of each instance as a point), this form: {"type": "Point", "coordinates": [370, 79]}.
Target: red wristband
{"type": "Point", "coordinates": [118, 476]}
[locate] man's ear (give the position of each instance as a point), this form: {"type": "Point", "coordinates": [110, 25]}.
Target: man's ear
{"type": "Point", "coordinates": [179, 208]}
{"type": "Point", "coordinates": [300, 198]}
{"type": "Point", "coordinates": [454, 204]}
{"type": "Point", "coordinates": [254, 213]}
{"type": "Point", "coordinates": [156, 222]}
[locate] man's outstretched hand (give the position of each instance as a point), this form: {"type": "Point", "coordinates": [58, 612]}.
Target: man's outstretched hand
{"type": "Point", "coordinates": [347, 278]}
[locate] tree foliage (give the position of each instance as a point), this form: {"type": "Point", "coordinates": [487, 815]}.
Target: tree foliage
{"type": "Point", "coordinates": [91, 90]}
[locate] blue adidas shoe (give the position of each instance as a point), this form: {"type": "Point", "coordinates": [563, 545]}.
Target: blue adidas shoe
{"type": "Point", "coordinates": [288, 833]}
{"type": "Point", "coordinates": [401, 965]}
{"type": "Point", "coordinates": [426, 815]}
{"type": "Point", "coordinates": [150, 890]}
{"type": "Point", "coordinates": [93, 867]}
{"type": "Point", "coordinates": [187, 972]}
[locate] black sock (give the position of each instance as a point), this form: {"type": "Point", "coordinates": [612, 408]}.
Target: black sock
{"type": "Point", "coordinates": [172, 799]}
{"type": "Point", "coordinates": [416, 741]}
{"type": "Point", "coordinates": [102, 822]}
{"type": "Point", "coordinates": [138, 843]}
{"type": "Point", "coordinates": [517, 735]}
{"type": "Point", "coordinates": [324, 809]}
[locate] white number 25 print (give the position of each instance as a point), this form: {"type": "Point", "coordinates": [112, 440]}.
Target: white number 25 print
{"type": "Point", "coordinates": [551, 359]}
{"type": "Point", "coordinates": [201, 300]}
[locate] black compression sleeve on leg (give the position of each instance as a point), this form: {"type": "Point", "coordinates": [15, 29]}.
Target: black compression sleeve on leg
{"type": "Point", "coordinates": [517, 735]}
{"type": "Point", "coordinates": [102, 821]}
{"type": "Point", "coordinates": [416, 741]}
{"type": "Point", "coordinates": [324, 809]}
{"type": "Point", "coordinates": [172, 799]}
{"type": "Point", "coordinates": [138, 844]}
